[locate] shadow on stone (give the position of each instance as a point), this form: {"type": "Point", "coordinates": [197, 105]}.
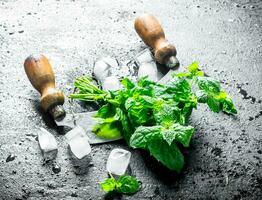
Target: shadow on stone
{"type": "Point", "coordinates": [112, 196]}
{"type": "Point", "coordinates": [81, 166]}
{"type": "Point", "coordinates": [162, 173]}
{"type": "Point", "coordinates": [49, 121]}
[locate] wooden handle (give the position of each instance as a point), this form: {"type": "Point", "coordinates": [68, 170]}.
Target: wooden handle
{"type": "Point", "coordinates": [151, 32]}
{"type": "Point", "coordinates": [41, 75]}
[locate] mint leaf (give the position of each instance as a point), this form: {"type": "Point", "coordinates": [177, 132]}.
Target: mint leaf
{"type": "Point", "coordinates": [183, 134]}
{"type": "Point", "coordinates": [107, 128]}
{"type": "Point", "coordinates": [169, 135]}
{"type": "Point", "coordinates": [216, 99]}
{"type": "Point", "coordinates": [166, 113]}
{"type": "Point", "coordinates": [127, 83]}
{"type": "Point", "coordinates": [193, 67]}
{"type": "Point", "coordinates": [124, 185]}
{"type": "Point", "coordinates": [193, 71]}
{"type": "Point", "coordinates": [178, 133]}
{"type": "Point", "coordinates": [143, 135]}
{"type": "Point", "coordinates": [201, 96]}
{"type": "Point", "coordinates": [127, 129]}
{"type": "Point", "coordinates": [108, 185]}
{"type": "Point", "coordinates": [213, 104]}
{"type": "Point", "coordinates": [105, 111]}
{"type": "Point", "coordinates": [181, 90]}
{"type": "Point", "coordinates": [127, 185]}
{"type": "Point", "coordinates": [168, 155]}
{"type": "Point", "coordinates": [228, 106]}
{"type": "Point", "coordinates": [209, 85]}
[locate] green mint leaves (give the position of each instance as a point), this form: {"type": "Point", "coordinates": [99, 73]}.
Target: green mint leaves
{"type": "Point", "coordinates": [124, 184]}
{"type": "Point", "coordinates": [153, 116]}
{"type": "Point", "coordinates": [209, 90]}
{"type": "Point", "coordinates": [214, 96]}
{"type": "Point", "coordinates": [162, 143]}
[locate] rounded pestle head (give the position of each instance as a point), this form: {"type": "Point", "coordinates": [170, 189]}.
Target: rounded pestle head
{"type": "Point", "coordinates": [57, 112]}
{"type": "Point", "coordinates": [172, 62]}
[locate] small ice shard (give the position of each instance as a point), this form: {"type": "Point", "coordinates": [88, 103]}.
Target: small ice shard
{"type": "Point", "coordinates": [103, 67]}
{"type": "Point", "coordinates": [111, 83]}
{"type": "Point", "coordinates": [48, 144]}
{"type": "Point", "coordinates": [78, 142]}
{"type": "Point", "coordinates": [118, 161]}
{"type": "Point", "coordinates": [147, 65]}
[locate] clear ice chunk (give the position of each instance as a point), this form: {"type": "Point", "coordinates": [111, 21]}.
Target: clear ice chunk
{"type": "Point", "coordinates": [78, 142]}
{"type": "Point", "coordinates": [118, 161]}
{"type": "Point", "coordinates": [103, 68]}
{"type": "Point", "coordinates": [147, 66]}
{"type": "Point", "coordinates": [48, 144]}
{"type": "Point", "coordinates": [111, 83]}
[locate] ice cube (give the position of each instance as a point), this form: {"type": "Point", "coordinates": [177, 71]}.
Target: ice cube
{"type": "Point", "coordinates": [118, 161]}
{"type": "Point", "coordinates": [124, 71]}
{"type": "Point", "coordinates": [147, 66]}
{"type": "Point", "coordinates": [78, 142]}
{"type": "Point", "coordinates": [103, 68]}
{"type": "Point", "coordinates": [112, 62]}
{"type": "Point", "coordinates": [111, 83]}
{"type": "Point", "coordinates": [48, 144]}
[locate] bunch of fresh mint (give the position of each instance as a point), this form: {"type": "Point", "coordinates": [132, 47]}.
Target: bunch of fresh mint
{"type": "Point", "coordinates": [152, 116]}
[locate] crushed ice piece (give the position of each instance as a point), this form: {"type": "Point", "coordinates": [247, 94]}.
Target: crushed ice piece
{"type": "Point", "coordinates": [103, 68]}
{"type": "Point", "coordinates": [112, 62]}
{"type": "Point", "coordinates": [124, 71]}
{"type": "Point", "coordinates": [78, 142]}
{"type": "Point", "coordinates": [147, 65]}
{"type": "Point", "coordinates": [111, 83]}
{"type": "Point", "coordinates": [48, 144]}
{"type": "Point", "coordinates": [118, 161]}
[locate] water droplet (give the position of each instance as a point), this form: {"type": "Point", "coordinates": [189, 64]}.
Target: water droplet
{"type": "Point", "coordinates": [56, 168]}
{"type": "Point", "coordinates": [10, 158]}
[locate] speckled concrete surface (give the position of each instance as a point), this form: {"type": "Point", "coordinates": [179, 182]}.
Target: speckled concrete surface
{"type": "Point", "coordinates": [224, 160]}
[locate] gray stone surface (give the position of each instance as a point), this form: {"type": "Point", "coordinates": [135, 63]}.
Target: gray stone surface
{"type": "Point", "coordinates": [224, 160]}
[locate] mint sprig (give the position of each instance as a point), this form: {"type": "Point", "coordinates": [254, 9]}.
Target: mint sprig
{"type": "Point", "coordinates": [124, 184]}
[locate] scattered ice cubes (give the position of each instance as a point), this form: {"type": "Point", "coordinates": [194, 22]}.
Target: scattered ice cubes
{"type": "Point", "coordinates": [118, 161]}
{"type": "Point", "coordinates": [78, 142]}
{"type": "Point", "coordinates": [48, 144]}
{"type": "Point", "coordinates": [147, 65]}
{"type": "Point", "coordinates": [111, 83]}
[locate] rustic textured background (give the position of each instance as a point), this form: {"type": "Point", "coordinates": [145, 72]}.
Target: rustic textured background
{"type": "Point", "coordinates": [224, 160]}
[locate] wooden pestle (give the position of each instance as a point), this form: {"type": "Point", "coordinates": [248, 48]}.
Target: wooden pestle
{"type": "Point", "coordinates": [151, 32]}
{"type": "Point", "coordinates": [41, 75]}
